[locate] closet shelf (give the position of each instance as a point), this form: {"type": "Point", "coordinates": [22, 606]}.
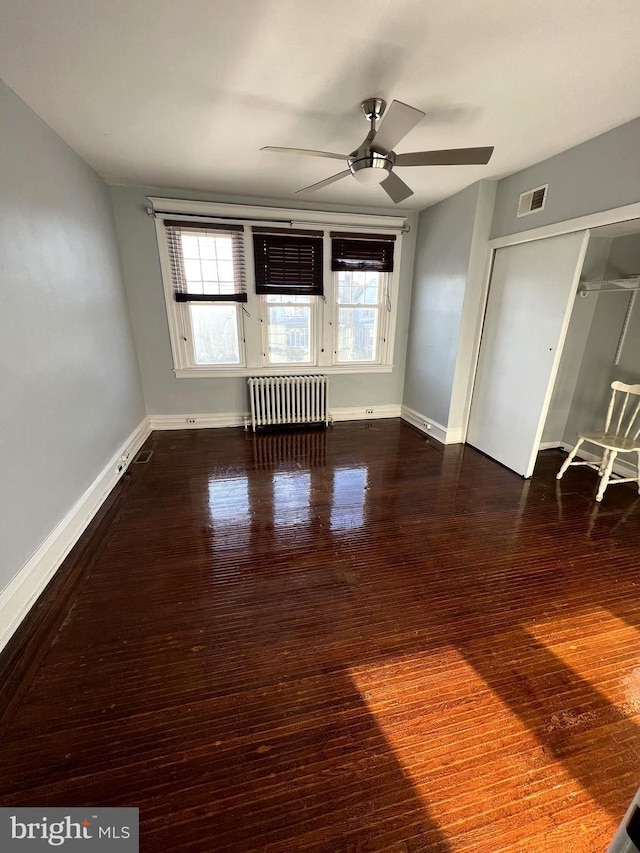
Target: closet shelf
{"type": "Point", "coordinates": [629, 284]}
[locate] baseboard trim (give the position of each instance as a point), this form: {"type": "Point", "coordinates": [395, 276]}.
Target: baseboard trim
{"type": "Point", "coordinates": [198, 421]}
{"type": "Point", "coordinates": [237, 419]}
{"type": "Point", "coordinates": [430, 427]}
{"type": "Point", "coordinates": [19, 596]}
{"type": "Point", "coordinates": [552, 445]}
{"type": "Point", "coordinates": [365, 413]}
{"type": "Point", "coordinates": [454, 435]}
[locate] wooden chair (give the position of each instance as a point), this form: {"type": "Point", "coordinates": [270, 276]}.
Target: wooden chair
{"type": "Point", "coordinates": [619, 437]}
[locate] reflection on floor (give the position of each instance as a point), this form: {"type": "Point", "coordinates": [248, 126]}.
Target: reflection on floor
{"type": "Point", "coordinates": [352, 640]}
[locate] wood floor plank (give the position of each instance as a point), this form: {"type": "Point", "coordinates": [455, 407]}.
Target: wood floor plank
{"type": "Point", "coordinates": [337, 642]}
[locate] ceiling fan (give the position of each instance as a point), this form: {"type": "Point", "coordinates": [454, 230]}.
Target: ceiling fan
{"type": "Point", "coordinates": [374, 160]}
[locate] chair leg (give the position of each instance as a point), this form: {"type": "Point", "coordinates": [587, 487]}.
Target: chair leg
{"type": "Point", "coordinates": [569, 459]}
{"type": "Point", "coordinates": [639, 472]}
{"type": "Point", "coordinates": [604, 482]}
{"type": "Point", "coordinates": [603, 462]}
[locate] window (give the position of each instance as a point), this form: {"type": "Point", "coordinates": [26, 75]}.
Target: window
{"type": "Point", "coordinates": [359, 312]}
{"type": "Point", "coordinates": [208, 280]}
{"type": "Point", "coordinates": [289, 277]}
{"type": "Point", "coordinates": [361, 265]}
{"type": "Point", "coordinates": [251, 298]}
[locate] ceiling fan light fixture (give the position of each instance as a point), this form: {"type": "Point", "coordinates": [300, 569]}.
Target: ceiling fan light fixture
{"type": "Point", "coordinates": [369, 175]}
{"type": "Point", "coordinates": [369, 167]}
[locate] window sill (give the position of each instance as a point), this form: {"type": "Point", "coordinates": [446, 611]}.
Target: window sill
{"type": "Point", "coordinates": [282, 370]}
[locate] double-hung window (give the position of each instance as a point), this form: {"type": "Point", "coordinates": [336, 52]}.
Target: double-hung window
{"type": "Point", "coordinates": [361, 264]}
{"type": "Point", "coordinates": [209, 284]}
{"type": "Point", "coordinates": [289, 279]}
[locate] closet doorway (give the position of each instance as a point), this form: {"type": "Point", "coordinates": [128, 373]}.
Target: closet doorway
{"type": "Point", "coordinates": [602, 343]}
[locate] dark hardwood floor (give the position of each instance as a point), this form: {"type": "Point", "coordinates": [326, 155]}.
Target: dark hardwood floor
{"type": "Point", "coordinates": [344, 641]}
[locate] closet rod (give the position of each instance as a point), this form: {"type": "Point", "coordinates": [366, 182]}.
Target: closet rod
{"type": "Point", "coordinates": [625, 326]}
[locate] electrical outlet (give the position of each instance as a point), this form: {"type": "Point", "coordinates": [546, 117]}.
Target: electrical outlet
{"type": "Point", "coordinates": [191, 420]}
{"type": "Point", "coordinates": [368, 411]}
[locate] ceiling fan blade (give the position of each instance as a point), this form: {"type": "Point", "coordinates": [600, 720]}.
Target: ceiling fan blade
{"type": "Point", "coordinates": [309, 152]}
{"type": "Point", "coordinates": [396, 188]}
{"type": "Point", "coordinates": [325, 183]}
{"type": "Point", "coordinates": [398, 120]}
{"type": "Point", "coordinates": [446, 157]}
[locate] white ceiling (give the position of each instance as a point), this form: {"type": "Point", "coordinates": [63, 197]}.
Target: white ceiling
{"type": "Point", "coordinates": [183, 93]}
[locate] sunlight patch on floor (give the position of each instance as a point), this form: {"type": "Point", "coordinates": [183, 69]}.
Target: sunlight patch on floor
{"type": "Point", "coordinates": [472, 761]}
{"type": "Point", "coordinates": [612, 664]}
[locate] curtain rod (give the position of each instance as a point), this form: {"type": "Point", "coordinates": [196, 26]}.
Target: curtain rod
{"type": "Point", "coordinates": [159, 214]}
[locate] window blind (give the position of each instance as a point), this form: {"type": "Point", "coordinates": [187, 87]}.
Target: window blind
{"type": "Point", "coordinates": [372, 252]}
{"type": "Point", "coordinates": [207, 261]}
{"type": "Point", "coordinates": [288, 262]}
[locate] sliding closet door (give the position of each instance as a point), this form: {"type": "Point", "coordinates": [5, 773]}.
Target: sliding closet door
{"type": "Point", "coordinates": [533, 286]}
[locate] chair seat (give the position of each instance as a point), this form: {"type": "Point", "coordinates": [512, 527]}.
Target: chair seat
{"type": "Point", "coordinates": [611, 441]}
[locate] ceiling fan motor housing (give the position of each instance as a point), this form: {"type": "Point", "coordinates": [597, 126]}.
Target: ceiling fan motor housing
{"type": "Point", "coordinates": [369, 166]}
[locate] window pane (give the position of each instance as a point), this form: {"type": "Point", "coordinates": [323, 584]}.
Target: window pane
{"type": "Point", "coordinates": [215, 334]}
{"type": "Point", "coordinates": [289, 333]}
{"type": "Point", "coordinates": [290, 300]}
{"type": "Point", "coordinates": [225, 271]}
{"type": "Point", "coordinates": [358, 287]}
{"type": "Point", "coordinates": [193, 273]}
{"type": "Point", "coordinates": [357, 334]}
{"type": "Point", "coordinates": [208, 260]}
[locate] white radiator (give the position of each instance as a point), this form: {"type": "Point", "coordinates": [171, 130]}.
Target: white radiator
{"type": "Point", "coordinates": [288, 400]}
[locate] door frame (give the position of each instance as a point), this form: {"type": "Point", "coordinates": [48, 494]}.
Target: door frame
{"type": "Point", "coordinates": [588, 222]}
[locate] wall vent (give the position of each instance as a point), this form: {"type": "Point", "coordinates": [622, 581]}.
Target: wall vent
{"type": "Point", "coordinates": [532, 201]}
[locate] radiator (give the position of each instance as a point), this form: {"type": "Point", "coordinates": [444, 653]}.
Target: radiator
{"type": "Point", "coordinates": [281, 400]}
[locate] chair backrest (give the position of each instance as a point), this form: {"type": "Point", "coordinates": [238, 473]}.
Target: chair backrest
{"type": "Point", "coordinates": [622, 417]}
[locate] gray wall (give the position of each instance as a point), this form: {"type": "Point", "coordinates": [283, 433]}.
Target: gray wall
{"type": "Point", "coordinates": [597, 370]}
{"type": "Point", "coordinates": [471, 319]}
{"type": "Point", "coordinates": [166, 395]}
{"type": "Point", "coordinates": [68, 372]}
{"type": "Point", "coordinates": [600, 174]}
{"type": "Point", "coordinates": [443, 249]}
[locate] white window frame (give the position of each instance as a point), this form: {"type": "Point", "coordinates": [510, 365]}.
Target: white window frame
{"type": "Point", "coordinates": [251, 315]}
{"type": "Point", "coordinates": [384, 318]}
{"type": "Point", "coordinates": [314, 335]}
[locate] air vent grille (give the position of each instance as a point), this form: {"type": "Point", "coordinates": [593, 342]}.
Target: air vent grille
{"type": "Point", "coordinates": [532, 201]}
